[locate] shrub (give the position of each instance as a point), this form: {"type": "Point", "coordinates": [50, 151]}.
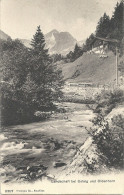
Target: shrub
{"type": "Point", "coordinates": [109, 139]}
{"type": "Point", "coordinates": [107, 100]}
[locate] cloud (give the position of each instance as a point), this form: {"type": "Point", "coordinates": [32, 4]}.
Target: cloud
{"type": "Point", "coordinates": [20, 18]}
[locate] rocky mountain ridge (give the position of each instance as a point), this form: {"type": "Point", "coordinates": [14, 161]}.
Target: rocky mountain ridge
{"type": "Point", "coordinates": [59, 42]}
{"type": "Point", "coordinates": [56, 42]}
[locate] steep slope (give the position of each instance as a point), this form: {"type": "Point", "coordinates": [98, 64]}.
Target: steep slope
{"type": "Point", "coordinates": [91, 68]}
{"type": "Point", "coordinates": [50, 38]}
{"type": "Point", "coordinates": [59, 42]}
{"type": "Point", "coordinates": [4, 36]}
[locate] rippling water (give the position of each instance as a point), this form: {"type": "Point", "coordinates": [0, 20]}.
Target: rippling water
{"type": "Point", "coordinates": [30, 151]}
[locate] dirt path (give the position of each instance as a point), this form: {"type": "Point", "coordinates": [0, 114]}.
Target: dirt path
{"type": "Point", "coordinates": [31, 150]}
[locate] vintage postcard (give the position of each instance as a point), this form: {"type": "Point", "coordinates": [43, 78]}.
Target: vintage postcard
{"type": "Point", "coordinates": [62, 97]}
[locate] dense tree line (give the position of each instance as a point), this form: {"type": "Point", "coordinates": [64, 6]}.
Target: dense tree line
{"type": "Point", "coordinates": [56, 57]}
{"type": "Point", "coordinates": [30, 82]}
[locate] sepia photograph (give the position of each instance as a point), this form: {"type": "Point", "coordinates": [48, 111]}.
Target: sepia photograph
{"type": "Point", "coordinates": [62, 97]}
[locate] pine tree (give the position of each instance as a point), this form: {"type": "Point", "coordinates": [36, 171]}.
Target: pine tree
{"type": "Point", "coordinates": [117, 22]}
{"type": "Point", "coordinates": [89, 43]}
{"type": "Point", "coordinates": [77, 52]}
{"type": "Point", "coordinates": [40, 60]}
{"type": "Point", "coordinates": [47, 79]}
{"type": "Point", "coordinates": [103, 27]}
{"type": "Point", "coordinates": [70, 56]}
{"type": "Point", "coordinates": [38, 44]}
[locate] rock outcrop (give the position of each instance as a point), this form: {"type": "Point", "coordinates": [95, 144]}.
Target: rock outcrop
{"type": "Point", "coordinates": [87, 160]}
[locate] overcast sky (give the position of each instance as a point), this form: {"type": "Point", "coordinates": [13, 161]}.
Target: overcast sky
{"type": "Point", "coordinates": [20, 18]}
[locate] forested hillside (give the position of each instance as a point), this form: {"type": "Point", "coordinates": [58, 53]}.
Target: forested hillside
{"type": "Point", "coordinates": [85, 65]}
{"type": "Point", "coordinates": [107, 27]}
